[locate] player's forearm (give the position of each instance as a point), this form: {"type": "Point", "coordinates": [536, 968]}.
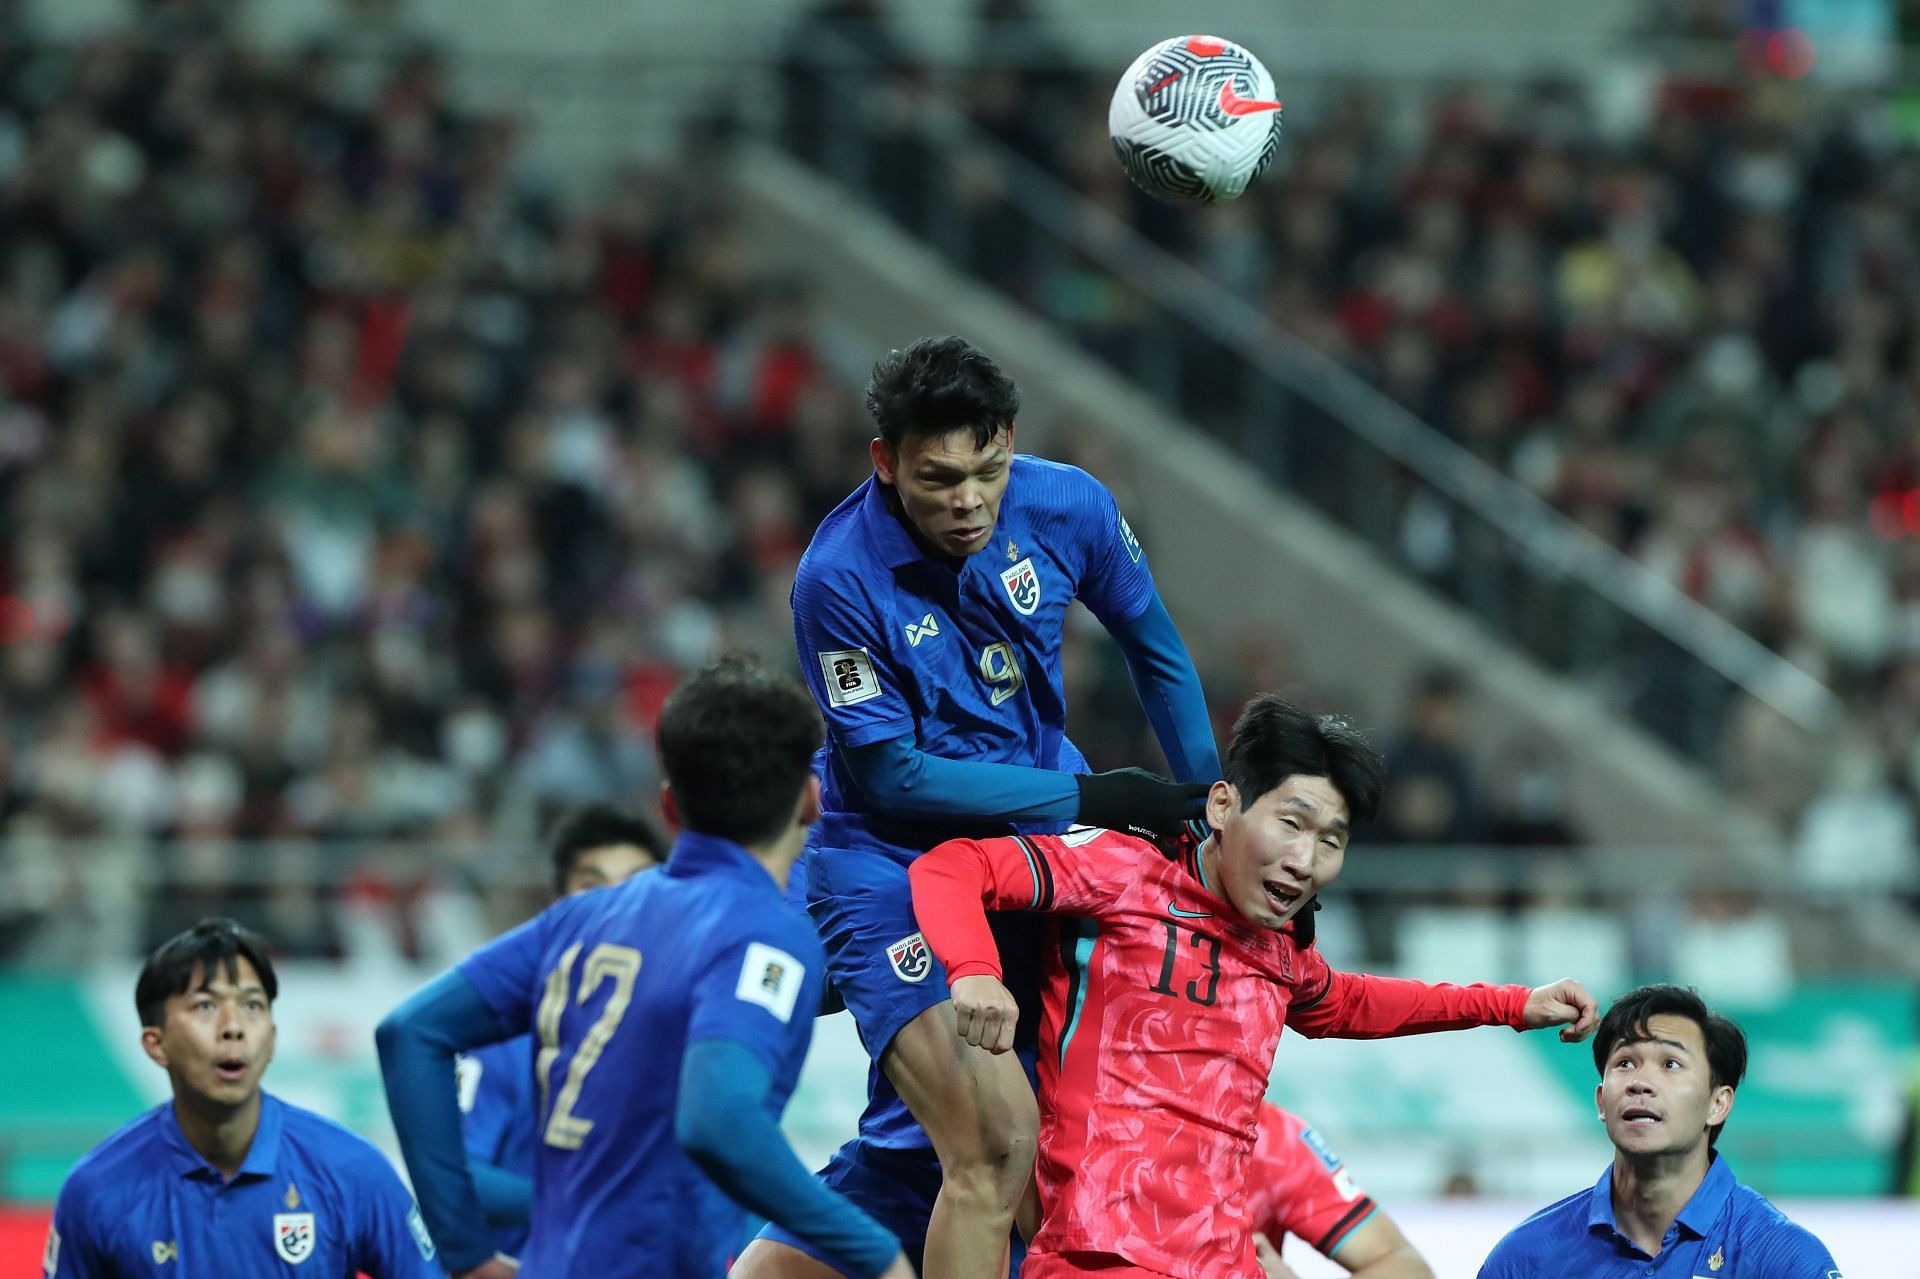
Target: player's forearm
{"type": "Point", "coordinates": [901, 780]}
{"type": "Point", "coordinates": [417, 1043]}
{"type": "Point", "coordinates": [955, 884]}
{"type": "Point", "coordinates": [1401, 1263]}
{"type": "Point", "coordinates": [506, 1197]}
{"type": "Point", "coordinates": [721, 1121]}
{"type": "Point", "coordinates": [1169, 689]}
{"type": "Point", "coordinates": [1363, 1006]}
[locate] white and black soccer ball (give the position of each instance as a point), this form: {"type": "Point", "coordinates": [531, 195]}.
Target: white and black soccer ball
{"type": "Point", "coordinates": [1194, 120]}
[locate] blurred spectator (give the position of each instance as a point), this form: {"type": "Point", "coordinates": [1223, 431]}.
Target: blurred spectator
{"type": "Point", "coordinates": [1858, 834]}
{"type": "Point", "coordinates": [1433, 799]}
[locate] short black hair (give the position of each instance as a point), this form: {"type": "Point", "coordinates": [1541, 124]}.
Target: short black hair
{"type": "Point", "coordinates": [590, 826]}
{"type": "Point", "coordinates": [209, 944]}
{"type": "Point", "coordinates": [737, 744]}
{"type": "Point", "coordinates": [940, 385]}
{"type": "Point", "coordinates": [1626, 1023]}
{"type": "Point", "coordinates": [1273, 740]}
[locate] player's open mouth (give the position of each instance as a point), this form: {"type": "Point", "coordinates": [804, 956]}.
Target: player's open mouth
{"type": "Point", "coordinates": [1639, 1117]}
{"type": "Point", "coordinates": [231, 1069]}
{"type": "Point", "coordinates": [969, 534]}
{"type": "Point", "coordinates": [1280, 897]}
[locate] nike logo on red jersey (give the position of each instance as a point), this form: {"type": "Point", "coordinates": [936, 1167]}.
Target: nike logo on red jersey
{"type": "Point", "coordinates": [1233, 104]}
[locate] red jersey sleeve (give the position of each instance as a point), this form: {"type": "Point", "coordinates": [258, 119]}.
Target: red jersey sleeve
{"type": "Point", "coordinates": [1330, 1004]}
{"type": "Point", "coordinates": [1297, 1186]}
{"type": "Point", "coordinates": [956, 883]}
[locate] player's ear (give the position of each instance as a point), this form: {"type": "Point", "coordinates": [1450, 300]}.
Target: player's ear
{"type": "Point", "coordinates": [1599, 1103]}
{"type": "Point", "coordinates": [1720, 1105]}
{"type": "Point", "coordinates": [1223, 800]}
{"type": "Point", "coordinates": [150, 1043]}
{"type": "Point", "coordinates": [809, 812]}
{"type": "Point", "coordinates": [883, 460]}
{"type": "Point", "coordinates": [669, 806]}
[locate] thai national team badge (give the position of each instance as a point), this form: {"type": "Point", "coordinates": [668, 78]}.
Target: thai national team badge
{"type": "Point", "coordinates": [293, 1236]}
{"type": "Point", "coordinates": [1023, 586]}
{"type": "Point", "coordinates": [911, 959]}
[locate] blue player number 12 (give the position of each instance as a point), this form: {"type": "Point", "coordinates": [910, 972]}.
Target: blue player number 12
{"type": "Point", "coordinates": [607, 961]}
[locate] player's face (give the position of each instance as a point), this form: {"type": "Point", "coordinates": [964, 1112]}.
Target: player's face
{"type": "Point", "coordinates": [1657, 1096]}
{"type": "Point", "coordinates": [1277, 854]}
{"type": "Point", "coordinates": [217, 1037]}
{"type": "Point", "coordinates": [607, 865]}
{"type": "Point", "coordinates": [949, 489]}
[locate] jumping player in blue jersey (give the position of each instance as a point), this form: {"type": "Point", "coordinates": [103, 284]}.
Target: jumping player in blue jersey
{"type": "Point", "coordinates": [593, 846]}
{"type": "Point", "coordinates": [226, 1181]}
{"type": "Point", "coordinates": [672, 1013]}
{"type": "Point", "coordinates": [928, 613]}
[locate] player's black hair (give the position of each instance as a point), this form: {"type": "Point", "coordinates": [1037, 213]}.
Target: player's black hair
{"type": "Point", "coordinates": [940, 385]}
{"type": "Point", "coordinates": [209, 945]}
{"type": "Point", "coordinates": [591, 826]}
{"type": "Point", "coordinates": [1626, 1023]}
{"type": "Point", "coordinates": [737, 744]}
{"type": "Point", "coordinates": [1273, 740]}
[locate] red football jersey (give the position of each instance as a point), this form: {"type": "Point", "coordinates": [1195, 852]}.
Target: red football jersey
{"type": "Point", "coordinates": [1161, 1012]}
{"type": "Point", "coordinates": [1296, 1185]}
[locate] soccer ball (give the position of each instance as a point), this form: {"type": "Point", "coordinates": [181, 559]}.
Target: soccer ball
{"type": "Point", "coordinates": [1194, 120]}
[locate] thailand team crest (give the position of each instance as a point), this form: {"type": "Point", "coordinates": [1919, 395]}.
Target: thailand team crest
{"type": "Point", "coordinates": [911, 959]}
{"type": "Point", "coordinates": [1023, 586]}
{"type": "Point", "coordinates": [293, 1236]}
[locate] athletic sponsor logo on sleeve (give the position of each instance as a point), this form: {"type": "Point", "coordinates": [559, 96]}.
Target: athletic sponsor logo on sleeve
{"type": "Point", "coordinates": [1318, 1145]}
{"type": "Point", "coordinates": [850, 677]}
{"type": "Point", "coordinates": [771, 978]}
{"type": "Point", "coordinates": [1127, 538]}
{"type": "Point", "coordinates": [1343, 1183]}
{"type": "Point", "coordinates": [1078, 835]}
{"type": "Point", "coordinates": [418, 1226]}
{"type": "Point", "coordinates": [911, 959]}
{"type": "Point", "coordinates": [1023, 586]}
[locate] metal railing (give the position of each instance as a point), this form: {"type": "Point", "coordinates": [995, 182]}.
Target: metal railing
{"type": "Point", "coordinates": [1313, 427]}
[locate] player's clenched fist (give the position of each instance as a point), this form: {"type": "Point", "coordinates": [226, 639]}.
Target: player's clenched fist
{"type": "Point", "coordinates": [1565, 1004]}
{"type": "Point", "coordinates": [985, 1012]}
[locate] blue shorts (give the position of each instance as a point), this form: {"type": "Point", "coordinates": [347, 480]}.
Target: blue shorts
{"type": "Point", "coordinates": [878, 962]}
{"type": "Point", "coordinates": [896, 1188]}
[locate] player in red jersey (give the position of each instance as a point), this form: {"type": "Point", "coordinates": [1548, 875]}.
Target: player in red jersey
{"type": "Point", "coordinates": [1296, 1185]}
{"type": "Point", "coordinates": [1168, 990]}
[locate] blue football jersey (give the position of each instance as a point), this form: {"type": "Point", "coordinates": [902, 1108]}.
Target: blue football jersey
{"type": "Point", "coordinates": [312, 1198]}
{"type": "Point", "coordinates": [964, 658]}
{"type": "Point", "coordinates": [615, 984]}
{"type": "Point", "coordinates": [497, 1116]}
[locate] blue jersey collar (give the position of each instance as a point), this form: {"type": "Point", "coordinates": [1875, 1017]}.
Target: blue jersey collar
{"type": "Point", "coordinates": [1702, 1208]}
{"type": "Point", "coordinates": [697, 854]}
{"type": "Point", "coordinates": [261, 1155]}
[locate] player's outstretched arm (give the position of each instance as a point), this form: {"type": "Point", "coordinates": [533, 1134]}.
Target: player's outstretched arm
{"type": "Point", "coordinates": [1169, 689]}
{"type": "Point", "coordinates": [721, 1121]}
{"type": "Point", "coordinates": [417, 1043]}
{"type": "Point", "coordinates": [901, 780]}
{"type": "Point", "coordinates": [1331, 1004]}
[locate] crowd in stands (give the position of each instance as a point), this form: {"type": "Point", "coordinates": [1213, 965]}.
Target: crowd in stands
{"type": "Point", "coordinates": [361, 504]}
{"type": "Point", "coordinates": [1693, 327]}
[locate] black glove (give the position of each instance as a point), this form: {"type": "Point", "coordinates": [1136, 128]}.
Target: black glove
{"type": "Point", "coordinates": [1134, 799]}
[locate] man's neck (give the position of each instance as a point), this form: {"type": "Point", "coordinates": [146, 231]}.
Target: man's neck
{"type": "Point", "coordinates": [777, 855]}
{"type": "Point", "coordinates": [222, 1135]}
{"type": "Point", "coordinates": [1649, 1192]}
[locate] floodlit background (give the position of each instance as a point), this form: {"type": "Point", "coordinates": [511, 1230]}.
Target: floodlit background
{"type": "Point", "coordinates": [398, 396]}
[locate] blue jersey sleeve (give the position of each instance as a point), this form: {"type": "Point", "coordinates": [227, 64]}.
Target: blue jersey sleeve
{"type": "Point", "coordinates": [841, 636]}
{"type": "Point", "coordinates": [763, 989]}
{"type": "Point", "coordinates": [1115, 583]}
{"type": "Point", "coordinates": [496, 1102]}
{"type": "Point", "coordinates": [506, 971]}
{"type": "Point", "coordinates": [1787, 1250]}
{"type": "Point", "coordinates": [72, 1252]}
{"type": "Point", "coordinates": [390, 1238]}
